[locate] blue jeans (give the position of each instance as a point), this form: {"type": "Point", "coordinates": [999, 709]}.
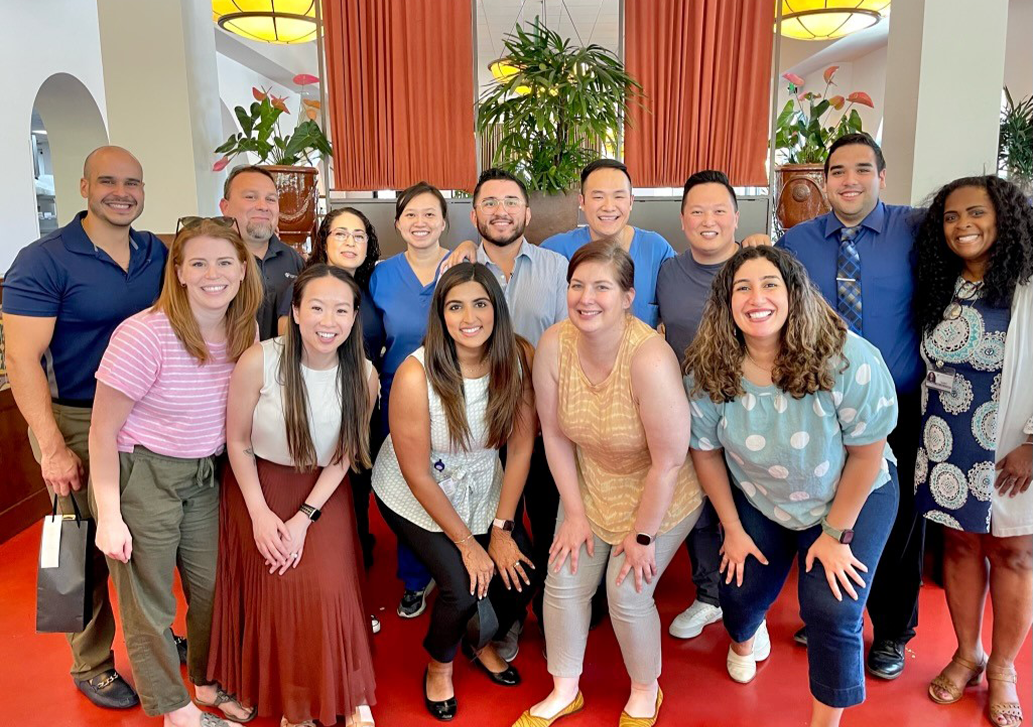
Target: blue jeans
{"type": "Point", "coordinates": [835, 646]}
{"type": "Point", "coordinates": [411, 570]}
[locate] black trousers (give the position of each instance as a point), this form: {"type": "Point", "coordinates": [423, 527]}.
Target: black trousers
{"type": "Point", "coordinates": [454, 605]}
{"type": "Point", "coordinates": [542, 502]}
{"type": "Point", "coordinates": [893, 602]}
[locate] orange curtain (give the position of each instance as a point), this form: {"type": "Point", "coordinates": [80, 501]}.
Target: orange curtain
{"type": "Point", "coordinates": [400, 88]}
{"type": "Point", "coordinates": [705, 67]}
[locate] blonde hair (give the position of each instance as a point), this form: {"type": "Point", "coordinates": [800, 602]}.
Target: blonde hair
{"type": "Point", "coordinates": [240, 316]}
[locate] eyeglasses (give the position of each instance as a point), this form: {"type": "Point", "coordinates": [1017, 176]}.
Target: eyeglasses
{"type": "Point", "coordinates": [510, 203]}
{"type": "Point", "coordinates": [341, 235]}
{"type": "Point", "coordinates": [185, 223]}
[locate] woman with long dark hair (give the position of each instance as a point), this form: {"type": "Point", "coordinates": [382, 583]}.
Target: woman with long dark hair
{"type": "Point", "coordinates": [440, 484]}
{"type": "Point", "coordinates": [290, 635]}
{"type": "Point", "coordinates": [975, 310]}
{"type": "Point", "coordinates": [797, 409]}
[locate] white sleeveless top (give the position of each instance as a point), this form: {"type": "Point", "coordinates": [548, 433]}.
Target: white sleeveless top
{"type": "Point", "coordinates": [268, 430]}
{"type": "Point", "coordinates": [472, 480]}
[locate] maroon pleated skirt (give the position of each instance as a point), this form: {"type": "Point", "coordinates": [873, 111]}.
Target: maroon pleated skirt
{"type": "Point", "coordinates": [296, 645]}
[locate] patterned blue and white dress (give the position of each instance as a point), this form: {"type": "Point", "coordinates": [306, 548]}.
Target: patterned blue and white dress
{"type": "Point", "coordinates": [954, 472]}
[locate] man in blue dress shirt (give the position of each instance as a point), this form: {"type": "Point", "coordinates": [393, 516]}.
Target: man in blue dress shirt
{"type": "Point", "coordinates": [862, 257]}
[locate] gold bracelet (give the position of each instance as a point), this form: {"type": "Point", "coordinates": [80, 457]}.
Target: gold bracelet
{"type": "Point", "coordinates": [460, 542]}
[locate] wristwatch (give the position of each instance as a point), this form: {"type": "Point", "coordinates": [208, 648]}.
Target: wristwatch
{"type": "Point", "coordinates": [505, 526]}
{"type": "Point", "coordinates": [312, 512]}
{"type": "Point", "coordinates": [845, 536]}
{"type": "Point", "coordinates": [643, 539]}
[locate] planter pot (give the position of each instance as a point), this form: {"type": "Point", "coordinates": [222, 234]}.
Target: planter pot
{"type": "Point", "coordinates": [551, 214]}
{"type": "Point", "coordinates": [298, 202]}
{"type": "Point", "coordinates": [801, 193]}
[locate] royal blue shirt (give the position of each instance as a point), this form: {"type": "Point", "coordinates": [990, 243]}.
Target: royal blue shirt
{"type": "Point", "coordinates": [402, 304]}
{"type": "Point", "coordinates": [886, 246]}
{"type": "Point", "coordinates": [64, 276]}
{"type": "Point", "coordinates": [648, 251]}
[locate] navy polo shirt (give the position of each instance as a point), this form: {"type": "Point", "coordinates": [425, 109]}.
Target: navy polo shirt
{"type": "Point", "coordinates": [279, 268]}
{"type": "Point", "coordinates": [886, 245]}
{"type": "Point", "coordinates": [64, 276]}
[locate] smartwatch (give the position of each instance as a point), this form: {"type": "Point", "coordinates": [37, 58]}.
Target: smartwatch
{"type": "Point", "coordinates": [845, 536]}
{"type": "Point", "coordinates": [312, 512]}
{"type": "Point", "coordinates": [643, 539]}
{"type": "Point", "coordinates": [505, 526]}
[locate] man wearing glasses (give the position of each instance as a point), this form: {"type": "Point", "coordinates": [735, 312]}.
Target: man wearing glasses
{"type": "Point", "coordinates": [63, 297]}
{"type": "Point", "coordinates": [250, 196]}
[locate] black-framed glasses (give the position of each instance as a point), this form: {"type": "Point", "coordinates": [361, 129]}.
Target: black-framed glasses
{"type": "Point", "coordinates": [185, 223]}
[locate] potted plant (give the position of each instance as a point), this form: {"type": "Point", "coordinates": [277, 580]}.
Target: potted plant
{"type": "Point", "coordinates": [1015, 152]}
{"type": "Point", "coordinates": [804, 131]}
{"type": "Point", "coordinates": [558, 108]}
{"type": "Point", "coordinates": [291, 158]}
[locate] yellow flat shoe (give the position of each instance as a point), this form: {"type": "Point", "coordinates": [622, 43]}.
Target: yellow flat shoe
{"type": "Point", "coordinates": [529, 720]}
{"type": "Point", "coordinates": [628, 721]}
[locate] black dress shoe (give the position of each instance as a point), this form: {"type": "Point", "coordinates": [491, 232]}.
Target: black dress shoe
{"type": "Point", "coordinates": [800, 636]}
{"type": "Point", "coordinates": [445, 710]}
{"type": "Point", "coordinates": [509, 677]}
{"type": "Point", "coordinates": [886, 660]}
{"type": "Point", "coordinates": [181, 647]}
{"type": "Point", "coordinates": [108, 690]}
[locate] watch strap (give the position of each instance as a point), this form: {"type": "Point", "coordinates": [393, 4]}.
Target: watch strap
{"type": "Point", "coordinates": [504, 525]}
{"type": "Point", "coordinates": [312, 513]}
{"type": "Point", "coordinates": [840, 536]}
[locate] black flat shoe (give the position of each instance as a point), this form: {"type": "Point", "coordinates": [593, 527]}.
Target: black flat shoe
{"type": "Point", "coordinates": [181, 648]}
{"type": "Point", "coordinates": [800, 636]}
{"type": "Point", "coordinates": [510, 677]}
{"type": "Point", "coordinates": [885, 660]}
{"type": "Point", "coordinates": [108, 690]}
{"type": "Point", "coordinates": [445, 710]}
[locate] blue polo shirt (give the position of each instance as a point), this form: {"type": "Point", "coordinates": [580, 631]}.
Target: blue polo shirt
{"type": "Point", "coordinates": [648, 251]}
{"type": "Point", "coordinates": [64, 276]}
{"type": "Point", "coordinates": [886, 245]}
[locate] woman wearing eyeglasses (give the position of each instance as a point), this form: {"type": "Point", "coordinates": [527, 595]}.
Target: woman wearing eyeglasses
{"type": "Point", "coordinates": [159, 422]}
{"type": "Point", "coordinates": [972, 475]}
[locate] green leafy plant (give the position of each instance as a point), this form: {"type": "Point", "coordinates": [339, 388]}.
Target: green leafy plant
{"type": "Point", "coordinates": [804, 133]}
{"type": "Point", "coordinates": [558, 109]}
{"type": "Point", "coordinates": [1015, 150]}
{"type": "Point", "coordinates": [260, 133]}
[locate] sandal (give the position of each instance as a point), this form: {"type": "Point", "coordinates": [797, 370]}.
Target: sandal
{"type": "Point", "coordinates": [361, 717]}
{"type": "Point", "coordinates": [306, 723]}
{"type": "Point", "coordinates": [1010, 712]}
{"type": "Point", "coordinates": [955, 691]}
{"type": "Point", "coordinates": [222, 698]}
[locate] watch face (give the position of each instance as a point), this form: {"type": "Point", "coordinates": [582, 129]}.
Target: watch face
{"type": "Point", "coordinates": [508, 526]}
{"type": "Point", "coordinates": [847, 538]}
{"type": "Point", "coordinates": [643, 539]}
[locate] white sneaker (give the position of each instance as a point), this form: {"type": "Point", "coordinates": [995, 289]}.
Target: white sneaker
{"type": "Point", "coordinates": [743, 668]}
{"type": "Point", "coordinates": [374, 623]}
{"type": "Point", "coordinates": [690, 623]}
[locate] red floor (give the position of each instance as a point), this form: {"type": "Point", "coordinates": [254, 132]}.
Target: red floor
{"type": "Point", "coordinates": [38, 691]}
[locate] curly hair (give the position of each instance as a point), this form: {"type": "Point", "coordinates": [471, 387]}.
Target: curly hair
{"type": "Point", "coordinates": [1011, 257]}
{"type": "Point", "coordinates": [319, 253]}
{"type": "Point", "coordinates": [811, 348]}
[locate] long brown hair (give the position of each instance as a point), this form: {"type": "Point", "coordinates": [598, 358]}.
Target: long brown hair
{"type": "Point", "coordinates": [352, 387]}
{"type": "Point", "coordinates": [812, 337]}
{"type": "Point", "coordinates": [505, 352]}
{"type": "Point", "coordinates": [240, 316]}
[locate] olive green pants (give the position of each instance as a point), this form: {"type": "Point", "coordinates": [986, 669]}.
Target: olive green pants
{"type": "Point", "coordinates": [171, 507]}
{"type": "Point", "coordinates": [91, 647]}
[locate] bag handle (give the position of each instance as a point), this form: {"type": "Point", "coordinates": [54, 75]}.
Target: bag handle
{"type": "Point", "coordinates": [75, 506]}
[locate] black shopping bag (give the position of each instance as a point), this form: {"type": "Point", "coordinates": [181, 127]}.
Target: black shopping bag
{"type": "Point", "coordinates": [61, 584]}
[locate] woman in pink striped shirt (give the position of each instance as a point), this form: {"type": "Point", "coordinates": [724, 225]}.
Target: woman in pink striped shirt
{"type": "Point", "coordinates": [158, 425]}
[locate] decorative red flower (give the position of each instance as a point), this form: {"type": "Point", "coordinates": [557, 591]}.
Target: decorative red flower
{"type": "Point", "coordinates": [221, 164]}
{"type": "Point", "coordinates": [829, 73]}
{"type": "Point", "coordinates": [793, 79]}
{"type": "Point", "coordinates": [305, 79]}
{"type": "Point", "coordinates": [837, 102]}
{"type": "Point", "coordinates": [279, 102]}
{"type": "Point", "coordinates": [862, 98]}
{"type": "Point", "coordinates": [259, 95]}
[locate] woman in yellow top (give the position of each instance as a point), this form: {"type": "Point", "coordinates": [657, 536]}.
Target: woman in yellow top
{"type": "Point", "coordinates": [616, 427]}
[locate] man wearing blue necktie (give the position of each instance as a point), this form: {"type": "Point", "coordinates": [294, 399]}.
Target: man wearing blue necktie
{"type": "Point", "coordinates": [862, 257]}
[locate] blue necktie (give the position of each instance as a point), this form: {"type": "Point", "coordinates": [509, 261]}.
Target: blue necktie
{"type": "Point", "coordinates": [848, 280]}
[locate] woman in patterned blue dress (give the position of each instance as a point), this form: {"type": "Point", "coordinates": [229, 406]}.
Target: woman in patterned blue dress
{"type": "Point", "coordinates": [973, 468]}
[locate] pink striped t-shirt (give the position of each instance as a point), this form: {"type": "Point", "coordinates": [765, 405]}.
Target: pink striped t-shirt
{"type": "Point", "coordinates": [180, 408]}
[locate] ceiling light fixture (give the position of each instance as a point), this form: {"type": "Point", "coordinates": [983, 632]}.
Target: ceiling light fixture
{"type": "Point", "coordinates": [829, 19]}
{"type": "Point", "coordinates": [282, 22]}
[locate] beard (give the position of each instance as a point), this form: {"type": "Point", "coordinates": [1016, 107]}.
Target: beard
{"type": "Point", "coordinates": [502, 239]}
{"type": "Point", "coordinates": [261, 231]}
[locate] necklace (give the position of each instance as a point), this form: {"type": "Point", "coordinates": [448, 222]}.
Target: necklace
{"type": "Point", "coordinates": [754, 362]}
{"type": "Point", "coordinates": [964, 292]}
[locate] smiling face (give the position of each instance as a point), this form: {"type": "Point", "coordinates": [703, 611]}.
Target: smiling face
{"type": "Point", "coordinates": [970, 225]}
{"type": "Point", "coordinates": [112, 186]}
{"type": "Point", "coordinates": [346, 242]}
{"type": "Point", "coordinates": [469, 315]}
{"type": "Point", "coordinates": [759, 300]}
{"type": "Point", "coordinates": [595, 301]}
{"type": "Point", "coordinates": [255, 203]}
{"type": "Point", "coordinates": [325, 316]}
{"type": "Point", "coordinates": [709, 220]}
{"type": "Point", "coordinates": [500, 212]}
{"type": "Point", "coordinates": [421, 222]}
{"type": "Point", "coordinates": [853, 182]}
{"type": "Point", "coordinates": [211, 272]}
{"type": "Point", "coordinates": [606, 201]}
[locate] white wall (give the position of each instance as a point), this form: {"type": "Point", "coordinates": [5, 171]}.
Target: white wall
{"type": "Point", "coordinates": [58, 36]}
{"type": "Point", "coordinates": [1018, 56]}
